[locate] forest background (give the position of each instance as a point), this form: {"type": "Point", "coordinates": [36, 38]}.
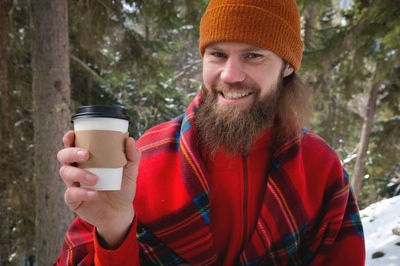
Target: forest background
{"type": "Point", "coordinates": [56, 55]}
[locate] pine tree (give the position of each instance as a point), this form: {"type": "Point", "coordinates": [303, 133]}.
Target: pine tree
{"type": "Point", "coordinates": [51, 100]}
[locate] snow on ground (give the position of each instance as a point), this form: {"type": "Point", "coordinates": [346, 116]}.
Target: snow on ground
{"type": "Point", "coordinates": [379, 220]}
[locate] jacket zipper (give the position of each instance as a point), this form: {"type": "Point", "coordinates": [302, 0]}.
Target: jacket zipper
{"type": "Point", "coordinates": [245, 198]}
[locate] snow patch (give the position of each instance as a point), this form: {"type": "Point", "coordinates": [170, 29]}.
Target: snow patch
{"type": "Point", "coordinates": [380, 220]}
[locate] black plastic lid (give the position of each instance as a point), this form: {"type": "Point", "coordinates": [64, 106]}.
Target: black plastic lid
{"type": "Point", "coordinates": [110, 111]}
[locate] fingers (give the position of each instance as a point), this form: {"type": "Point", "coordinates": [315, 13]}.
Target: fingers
{"type": "Point", "coordinates": [75, 196]}
{"type": "Point", "coordinates": [69, 139]}
{"type": "Point", "coordinates": [72, 155]}
{"type": "Point", "coordinates": [72, 175]}
{"type": "Point", "coordinates": [69, 154]}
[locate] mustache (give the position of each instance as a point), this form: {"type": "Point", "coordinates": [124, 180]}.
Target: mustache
{"type": "Point", "coordinates": [224, 87]}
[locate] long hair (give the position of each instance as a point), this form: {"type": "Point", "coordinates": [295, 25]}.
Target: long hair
{"type": "Point", "coordinates": [293, 109]}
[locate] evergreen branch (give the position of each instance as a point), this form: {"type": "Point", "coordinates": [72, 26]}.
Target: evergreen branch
{"type": "Point", "coordinates": [185, 70]}
{"type": "Point", "coordinates": [332, 55]}
{"type": "Point", "coordinates": [106, 6]}
{"type": "Point", "coordinates": [138, 109]}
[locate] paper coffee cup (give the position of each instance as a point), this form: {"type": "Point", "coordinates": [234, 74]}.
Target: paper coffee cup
{"type": "Point", "coordinates": [102, 130]}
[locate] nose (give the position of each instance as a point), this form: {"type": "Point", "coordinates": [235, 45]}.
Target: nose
{"type": "Point", "coordinates": [232, 71]}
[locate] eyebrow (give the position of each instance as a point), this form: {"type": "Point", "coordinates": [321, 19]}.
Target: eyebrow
{"type": "Point", "coordinates": [214, 46]}
{"type": "Point", "coordinates": [252, 48]}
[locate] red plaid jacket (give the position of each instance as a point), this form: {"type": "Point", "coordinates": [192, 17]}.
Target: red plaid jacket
{"type": "Point", "coordinates": [308, 215]}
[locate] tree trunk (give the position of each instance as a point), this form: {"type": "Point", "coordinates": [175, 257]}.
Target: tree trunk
{"type": "Point", "coordinates": [51, 114]}
{"type": "Point", "coordinates": [5, 140]}
{"type": "Point", "coordinates": [359, 167]}
{"type": "Point", "coordinates": [310, 14]}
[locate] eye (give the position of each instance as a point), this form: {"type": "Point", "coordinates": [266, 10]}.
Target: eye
{"type": "Point", "coordinates": [253, 55]}
{"type": "Point", "coordinates": [218, 54]}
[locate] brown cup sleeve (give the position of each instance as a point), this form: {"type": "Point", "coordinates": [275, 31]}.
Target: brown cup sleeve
{"type": "Point", "coordinates": [106, 148]}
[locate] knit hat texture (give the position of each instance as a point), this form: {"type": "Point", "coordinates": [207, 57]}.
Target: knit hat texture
{"type": "Point", "coordinates": [269, 24]}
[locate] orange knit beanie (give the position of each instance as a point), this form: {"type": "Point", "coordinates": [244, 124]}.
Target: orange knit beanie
{"type": "Point", "coordinates": [270, 24]}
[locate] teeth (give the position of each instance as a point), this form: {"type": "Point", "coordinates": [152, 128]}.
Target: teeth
{"type": "Point", "coordinates": [235, 95]}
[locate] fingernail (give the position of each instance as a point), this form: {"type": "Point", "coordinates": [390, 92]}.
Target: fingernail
{"type": "Point", "coordinates": [91, 193]}
{"type": "Point", "coordinates": [81, 154]}
{"type": "Point", "coordinates": [91, 178]}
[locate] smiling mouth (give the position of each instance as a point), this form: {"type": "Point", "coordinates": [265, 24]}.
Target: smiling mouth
{"type": "Point", "coordinates": [235, 95]}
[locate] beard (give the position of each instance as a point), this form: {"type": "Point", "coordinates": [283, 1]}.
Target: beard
{"type": "Point", "coordinates": [234, 128]}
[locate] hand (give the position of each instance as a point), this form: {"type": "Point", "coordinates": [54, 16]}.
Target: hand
{"type": "Point", "coordinates": [110, 211]}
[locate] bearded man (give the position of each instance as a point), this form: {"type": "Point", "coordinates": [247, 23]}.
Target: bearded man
{"type": "Point", "coordinates": [233, 181]}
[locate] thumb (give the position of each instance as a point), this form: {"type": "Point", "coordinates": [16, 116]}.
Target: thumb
{"type": "Point", "coordinates": [133, 155]}
{"type": "Point", "coordinates": [132, 152]}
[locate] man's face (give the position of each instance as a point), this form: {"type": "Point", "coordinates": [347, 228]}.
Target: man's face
{"type": "Point", "coordinates": [240, 91]}
{"type": "Point", "coordinates": [241, 73]}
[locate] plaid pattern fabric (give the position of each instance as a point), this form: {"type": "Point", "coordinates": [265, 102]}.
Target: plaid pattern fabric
{"type": "Point", "coordinates": [308, 211]}
{"type": "Point", "coordinates": [78, 245]}
{"type": "Point", "coordinates": [186, 231]}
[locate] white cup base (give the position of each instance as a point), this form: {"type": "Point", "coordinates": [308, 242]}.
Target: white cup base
{"type": "Point", "coordinates": [108, 178]}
